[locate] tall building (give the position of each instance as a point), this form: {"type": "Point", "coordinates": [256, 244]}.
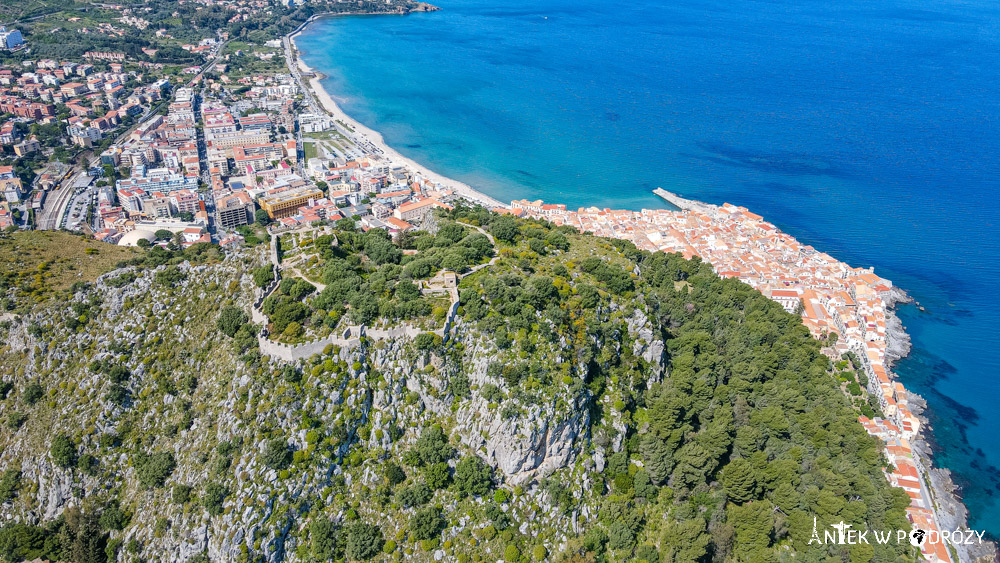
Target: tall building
{"type": "Point", "coordinates": [10, 38]}
{"type": "Point", "coordinates": [233, 210]}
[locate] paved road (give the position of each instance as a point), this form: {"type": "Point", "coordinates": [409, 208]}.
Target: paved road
{"type": "Point", "coordinates": [155, 108]}
{"type": "Point", "coordinates": [293, 68]}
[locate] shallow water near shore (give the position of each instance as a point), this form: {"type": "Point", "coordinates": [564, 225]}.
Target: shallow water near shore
{"type": "Point", "coordinates": [868, 131]}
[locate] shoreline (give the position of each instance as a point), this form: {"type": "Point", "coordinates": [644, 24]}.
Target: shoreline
{"type": "Point", "coordinates": [949, 508]}
{"type": "Point", "coordinates": [372, 137]}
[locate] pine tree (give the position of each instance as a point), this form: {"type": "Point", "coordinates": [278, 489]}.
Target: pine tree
{"type": "Point", "coordinates": [739, 480]}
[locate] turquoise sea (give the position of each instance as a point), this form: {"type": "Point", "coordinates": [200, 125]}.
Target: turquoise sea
{"type": "Point", "coordinates": [869, 130]}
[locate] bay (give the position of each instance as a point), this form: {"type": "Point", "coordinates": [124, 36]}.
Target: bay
{"type": "Point", "coordinates": [867, 130]}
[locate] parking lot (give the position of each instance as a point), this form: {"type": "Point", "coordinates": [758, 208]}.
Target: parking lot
{"type": "Point", "coordinates": [84, 194]}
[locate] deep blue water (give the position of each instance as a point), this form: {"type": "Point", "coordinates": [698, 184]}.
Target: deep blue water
{"type": "Point", "coordinates": [867, 129]}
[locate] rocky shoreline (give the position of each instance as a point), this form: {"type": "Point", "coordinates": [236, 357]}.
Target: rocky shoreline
{"type": "Point", "coordinates": [952, 514]}
{"type": "Point", "coordinates": [950, 510]}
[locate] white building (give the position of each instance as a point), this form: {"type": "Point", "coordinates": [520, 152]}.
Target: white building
{"type": "Point", "coordinates": [10, 39]}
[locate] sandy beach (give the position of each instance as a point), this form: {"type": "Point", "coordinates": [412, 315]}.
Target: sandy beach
{"type": "Point", "coordinates": [374, 138]}
{"type": "Point", "coordinates": [949, 511]}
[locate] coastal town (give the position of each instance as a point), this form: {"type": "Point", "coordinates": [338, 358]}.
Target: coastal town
{"type": "Point", "coordinates": [202, 162]}
{"type": "Point", "coordinates": [849, 308]}
{"type": "Point", "coordinates": [234, 141]}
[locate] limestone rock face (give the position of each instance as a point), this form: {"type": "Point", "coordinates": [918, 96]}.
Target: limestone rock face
{"type": "Point", "coordinates": [647, 344]}
{"type": "Point", "coordinates": [523, 441]}
{"type": "Point", "coordinates": [380, 393]}
{"type": "Point", "coordinates": [531, 445]}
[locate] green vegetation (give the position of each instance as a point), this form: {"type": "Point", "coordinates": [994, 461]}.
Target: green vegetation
{"type": "Point", "coordinates": [592, 403]}
{"type": "Point", "coordinates": [231, 320]}
{"type": "Point", "coordinates": [213, 497]}
{"type": "Point", "coordinates": [310, 149]}
{"type": "Point", "coordinates": [63, 450]}
{"type": "Point", "coordinates": [153, 470]}
{"type": "Point", "coordinates": [9, 483]}
{"type": "Point", "coordinates": [368, 277]}
{"type": "Point", "coordinates": [73, 536]}
{"type": "Point", "coordinates": [364, 541]}
{"type": "Point", "coordinates": [40, 265]}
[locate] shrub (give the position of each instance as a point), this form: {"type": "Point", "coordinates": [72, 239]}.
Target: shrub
{"type": "Point", "coordinates": [426, 340]}
{"type": "Point", "coordinates": [231, 319]}
{"type": "Point", "coordinates": [33, 392]}
{"type": "Point", "coordinates": [473, 476]}
{"type": "Point", "coordinates": [153, 470]}
{"type": "Point", "coordinates": [118, 374]}
{"type": "Point", "coordinates": [113, 517]}
{"type": "Point", "coordinates": [215, 494]}
{"type": "Point", "coordinates": [293, 330]}
{"type": "Point", "coordinates": [364, 541]}
{"type": "Point", "coordinates": [323, 539]}
{"type": "Point", "coordinates": [648, 553]}
{"type": "Point", "coordinates": [9, 484]}
{"type": "Point", "coordinates": [263, 276]}
{"type": "Point", "coordinates": [15, 420]}
{"type": "Point", "coordinates": [621, 536]}
{"type": "Point", "coordinates": [511, 552]}
{"type": "Point", "coordinates": [394, 474]}
{"type": "Point", "coordinates": [181, 494]}
{"type": "Point", "coordinates": [504, 228]}
{"type": "Point", "coordinates": [437, 475]}
{"type": "Point", "coordinates": [427, 523]}
{"type": "Point", "coordinates": [88, 464]}
{"type": "Point", "coordinates": [416, 495]}
{"type": "Point", "coordinates": [170, 276]}
{"type": "Point", "coordinates": [276, 454]}
{"type": "Point", "coordinates": [63, 451]}
{"type": "Point", "coordinates": [433, 447]}
{"type": "Point", "coordinates": [121, 280]}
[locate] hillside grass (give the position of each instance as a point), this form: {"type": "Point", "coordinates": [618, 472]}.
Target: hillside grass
{"type": "Point", "coordinates": [44, 262]}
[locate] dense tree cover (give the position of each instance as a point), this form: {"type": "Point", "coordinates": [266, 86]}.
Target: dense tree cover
{"type": "Point", "coordinates": [368, 276]}
{"type": "Point", "coordinates": [747, 438]}
{"type": "Point", "coordinates": [73, 536]}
